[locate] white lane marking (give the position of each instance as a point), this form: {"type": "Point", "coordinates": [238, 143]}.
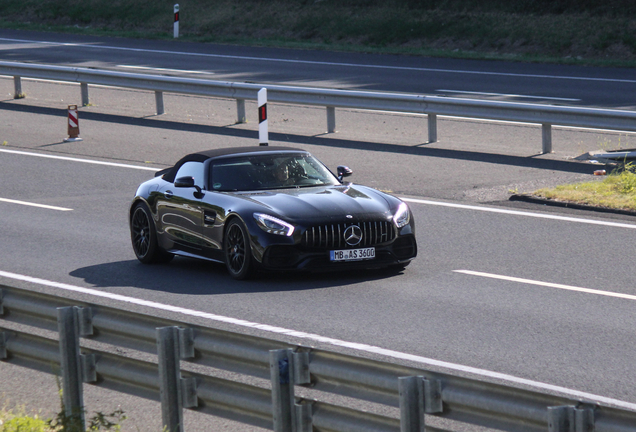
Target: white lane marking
{"type": "Point", "coordinates": [521, 213]}
{"type": "Point", "coordinates": [26, 203]}
{"type": "Point", "coordinates": [369, 66]}
{"type": "Point", "coordinates": [113, 164]}
{"type": "Point", "coordinates": [548, 284]}
{"type": "Point", "coordinates": [412, 200]}
{"type": "Point", "coordinates": [327, 340]}
{"type": "Point", "coordinates": [507, 95]}
{"type": "Point", "coordinates": [165, 69]}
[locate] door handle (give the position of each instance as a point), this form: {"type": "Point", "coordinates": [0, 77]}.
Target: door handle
{"type": "Point", "coordinates": [168, 194]}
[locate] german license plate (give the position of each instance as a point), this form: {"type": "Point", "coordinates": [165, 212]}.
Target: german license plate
{"type": "Point", "coordinates": [352, 254]}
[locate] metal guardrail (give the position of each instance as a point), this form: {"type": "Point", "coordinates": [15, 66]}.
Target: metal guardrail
{"type": "Point", "coordinates": [419, 394]}
{"type": "Point", "coordinates": [432, 106]}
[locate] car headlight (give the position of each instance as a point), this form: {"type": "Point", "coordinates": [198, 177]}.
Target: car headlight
{"type": "Point", "coordinates": [273, 225]}
{"type": "Point", "coordinates": [402, 215]}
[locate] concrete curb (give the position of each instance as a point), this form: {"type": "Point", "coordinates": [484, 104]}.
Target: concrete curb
{"type": "Point", "coordinates": [536, 200]}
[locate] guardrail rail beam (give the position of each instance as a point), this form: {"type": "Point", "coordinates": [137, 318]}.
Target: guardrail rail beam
{"type": "Point", "coordinates": [432, 106]}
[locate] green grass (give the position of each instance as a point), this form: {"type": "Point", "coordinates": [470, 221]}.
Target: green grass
{"type": "Point", "coordinates": [11, 421]}
{"type": "Point", "coordinates": [18, 420]}
{"type": "Point", "coordinates": [492, 29]}
{"type": "Point", "coordinates": [616, 191]}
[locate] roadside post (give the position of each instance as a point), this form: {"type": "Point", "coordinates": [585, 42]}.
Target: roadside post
{"type": "Point", "coordinates": [263, 135]}
{"type": "Point", "coordinates": [73, 125]}
{"type": "Point", "coordinates": [176, 20]}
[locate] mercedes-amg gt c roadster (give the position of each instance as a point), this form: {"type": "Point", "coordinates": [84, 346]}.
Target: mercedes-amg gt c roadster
{"type": "Point", "coordinates": [268, 208]}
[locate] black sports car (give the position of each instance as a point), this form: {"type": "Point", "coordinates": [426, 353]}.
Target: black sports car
{"type": "Point", "coordinates": [270, 208]}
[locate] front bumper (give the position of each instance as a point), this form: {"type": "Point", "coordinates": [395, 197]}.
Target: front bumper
{"type": "Point", "coordinates": [294, 257]}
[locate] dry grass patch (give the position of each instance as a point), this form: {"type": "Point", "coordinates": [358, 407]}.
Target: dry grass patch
{"type": "Point", "coordinates": [616, 191]}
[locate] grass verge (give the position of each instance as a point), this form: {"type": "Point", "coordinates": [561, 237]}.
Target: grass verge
{"type": "Point", "coordinates": [17, 420]}
{"type": "Point", "coordinates": [577, 36]}
{"type": "Point", "coordinates": [616, 191]}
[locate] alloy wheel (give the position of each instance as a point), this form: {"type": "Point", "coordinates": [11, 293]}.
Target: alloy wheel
{"type": "Point", "coordinates": [235, 249]}
{"type": "Point", "coordinates": [141, 232]}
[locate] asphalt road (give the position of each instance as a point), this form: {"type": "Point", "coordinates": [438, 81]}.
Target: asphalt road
{"type": "Point", "coordinates": [458, 302]}
{"type": "Point", "coordinates": [551, 84]}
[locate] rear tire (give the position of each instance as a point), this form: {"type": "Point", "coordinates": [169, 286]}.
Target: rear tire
{"type": "Point", "coordinates": [238, 253]}
{"type": "Point", "coordinates": [143, 235]}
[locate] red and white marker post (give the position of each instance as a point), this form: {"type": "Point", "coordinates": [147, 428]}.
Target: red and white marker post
{"type": "Point", "coordinates": [176, 21]}
{"type": "Point", "coordinates": [73, 124]}
{"type": "Point", "coordinates": [263, 136]}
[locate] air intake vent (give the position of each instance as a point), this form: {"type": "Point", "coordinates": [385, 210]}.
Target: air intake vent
{"type": "Point", "coordinates": [333, 236]}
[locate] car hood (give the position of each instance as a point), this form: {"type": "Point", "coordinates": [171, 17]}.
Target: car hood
{"type": "Point", "coordinates": [322, 203]}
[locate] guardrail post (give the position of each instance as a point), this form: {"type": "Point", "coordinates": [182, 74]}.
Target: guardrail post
{"type": "Point", "coordinates": [561, 419]}
{"type": "Point", "coordinates": [186, 342]}
{"type": "Point", "coordinates": [301, 367]}
{"type": "Point", "coordinates": [17, 86]}
{"type": "Point", "coordinates": [70, 363]}
{"type": "Point", "coordinates": [3, 345]}
{"type": "Point", "coordinates": [281, 371]}
{"type": "Point", "coordinates": [169, 379]}
{"type": "Point", "coordinates": [331, 119]}
{"type": "Point", "coordinates": [85, 321]}
{"type": "Point", "coordinates": [583, 420]}
{"type": "Point", "coordinates": [546, 137]}
{"type": "Point", "coordinates": [432, 128]}
{"type": "Point", "coordinates": [84, 90]}
{"type": "Point", "coordinates": [304, 420]}
{"type": "Point", "coordinates": [570, 419]}
{"type": "Point", "coordinates": [301, 375]}
{"type": "Point", "coordinates": [411, 404]}
{"type": "Point", "coordinates": [240, 111]}
{"type": "Point", "coordinates": [159, 102]}
{"type": "Point", "coordinates": [432, 393]}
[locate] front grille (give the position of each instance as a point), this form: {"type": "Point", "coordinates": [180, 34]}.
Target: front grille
{"type": "Point", "coordinates": [332, 236]}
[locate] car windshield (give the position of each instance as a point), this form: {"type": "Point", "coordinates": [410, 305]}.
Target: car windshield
{"type": "Point", "coordinates": [269, 171]}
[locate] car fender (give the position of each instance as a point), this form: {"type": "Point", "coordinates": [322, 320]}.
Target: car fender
{"type": "Point", "coordinates": [259, 239]}
{"type": "Point", "coordinates": [255, 246]}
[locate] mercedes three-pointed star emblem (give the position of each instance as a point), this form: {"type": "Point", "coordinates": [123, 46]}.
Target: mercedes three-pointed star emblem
{"type": "Point", "coordinates": [353, 235]}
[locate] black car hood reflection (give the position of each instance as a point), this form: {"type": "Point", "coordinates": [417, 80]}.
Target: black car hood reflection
{"type": "Point", "coordinates": [318, 202]}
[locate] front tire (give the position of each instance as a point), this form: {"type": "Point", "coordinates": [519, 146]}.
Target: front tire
{"type": "Point", "coordinates": [143, 235]}
{"type": "Point", "coordinates": [238, 254]}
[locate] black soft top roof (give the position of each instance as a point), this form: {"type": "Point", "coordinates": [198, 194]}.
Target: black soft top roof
{"type": "Point", "coordinates": [208, 154]}
{"type": "Point", "coordinates": [169, 173]}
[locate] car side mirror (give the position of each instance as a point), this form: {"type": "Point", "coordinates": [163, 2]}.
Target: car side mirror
{"type": "Point", "coordinates": [187, 182]}
{"type": "Point", "coordinates": [344, 171]}
{"type": "Point", "coordinates": [184, 182]}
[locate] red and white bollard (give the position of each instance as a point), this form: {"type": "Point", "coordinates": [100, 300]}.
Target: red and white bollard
{"type": "Point", "coordinates": [73, 124]}
{"type": "Point", "coordinates": [263, 136]}
{"type": "Point", "coordinates": [176, 21]}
